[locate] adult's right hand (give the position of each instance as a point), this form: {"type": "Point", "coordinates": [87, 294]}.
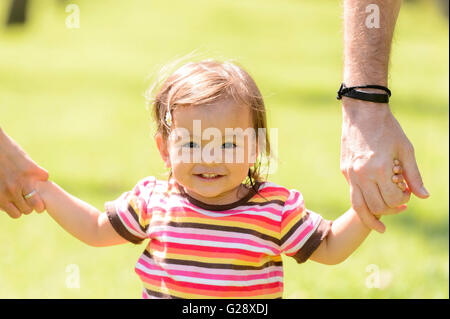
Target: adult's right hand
{"type": "Point", "coordinates": [371, 140]}
{"type": "Point", "coordinates": [18, 174]}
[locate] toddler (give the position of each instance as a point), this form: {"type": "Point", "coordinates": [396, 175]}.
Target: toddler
{"type": "Point", "coordinates": [216, 228]}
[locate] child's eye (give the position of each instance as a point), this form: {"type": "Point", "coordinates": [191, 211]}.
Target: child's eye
{"type": "Point", "coordinates": [228, 145]}
{"type": "Point", "coordinates": [190, 145]}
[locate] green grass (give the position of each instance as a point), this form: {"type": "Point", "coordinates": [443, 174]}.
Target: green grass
{"type": "Point", "coordinates": [74, 100]}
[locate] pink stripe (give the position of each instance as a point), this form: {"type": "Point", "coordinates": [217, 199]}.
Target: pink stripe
{"type": "Point", "coordinates": [128, 223]}
{"type": "Point", "coordinates": [214, 238]}
{"type": "Point", "coordinates": [212, 276]}
{"type": "Point", "coordinates": [292, 200]}
{"type": "Point", "coordinates": [280, 189]}
{"type": "Point", "coordinates": [301, 236]}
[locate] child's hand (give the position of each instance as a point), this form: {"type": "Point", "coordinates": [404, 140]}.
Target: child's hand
{"type": "Point", "coordinates": [398, 179]}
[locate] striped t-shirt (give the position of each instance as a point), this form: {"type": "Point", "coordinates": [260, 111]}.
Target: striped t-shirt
{"type": "Point", "coordinates": [198, 250]}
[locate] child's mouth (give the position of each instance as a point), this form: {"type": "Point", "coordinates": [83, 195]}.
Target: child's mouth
{"type": "Point", "coordinates": [209, 176]}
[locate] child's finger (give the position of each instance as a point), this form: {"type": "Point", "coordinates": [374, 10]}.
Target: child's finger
{"type": "Point", "coordinates": [397, 170]}
{"type": "Point", "coordinates": [402, 186]}
{"type": "Point", "coordinates": [397, 179]}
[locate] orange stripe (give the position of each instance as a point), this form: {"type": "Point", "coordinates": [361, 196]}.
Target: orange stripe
{"type": "Point", "coordinates": [296, 214]}
{"type": "Point", "coordinates": [181, 290]}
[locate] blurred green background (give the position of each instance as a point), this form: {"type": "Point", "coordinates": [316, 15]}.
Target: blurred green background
{"type": "Point", "coordinates": [73, 99]}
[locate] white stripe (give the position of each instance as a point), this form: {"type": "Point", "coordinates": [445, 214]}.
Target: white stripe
{"type": "Point", "coordinates": [133, 222]}
{"type": "Point", "coordinates": [211, 232]}
{"type": "Point", "coordinates": [294, 206]}
{"type": "Point", "coordinates": [205, 270]}
{"type": "Point", "coordinates": [215, 282]}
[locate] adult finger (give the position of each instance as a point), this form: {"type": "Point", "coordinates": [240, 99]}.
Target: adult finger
{"type": "Point", "coordinates": [360, 206]}
{"type": "Point", "coordinates": [11, 210]}
{"type": "Point", "coordinates": [411, 172]}
{"type": "Point", "coordinates": [395, 210]}
{"type": "Point", "coordinates": [392, 195]}
{"type": "Point", "coordinates": [372, 197]}
{"type": "Point", "coordinates": [21, 204]}
{"type": "Point", "coordinates": [373, 194]}
{"type": "Point", "coordinates": [34, 201]}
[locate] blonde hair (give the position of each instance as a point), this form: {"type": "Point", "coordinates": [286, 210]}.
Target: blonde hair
{"type": "Point", "coordinates": [206, 82]}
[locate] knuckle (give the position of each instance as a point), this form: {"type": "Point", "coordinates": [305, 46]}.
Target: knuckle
{"type": "Point", "coordinates": [359, 168]}
{"type": "Point", "coordinates": [11, 189]}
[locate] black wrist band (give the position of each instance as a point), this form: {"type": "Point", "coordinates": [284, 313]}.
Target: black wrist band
{"type": "Point", "coordinates": [371, 97]}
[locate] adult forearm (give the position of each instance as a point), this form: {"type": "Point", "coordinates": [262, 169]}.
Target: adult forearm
{"type": "Point", "coordinates": [367, 40]}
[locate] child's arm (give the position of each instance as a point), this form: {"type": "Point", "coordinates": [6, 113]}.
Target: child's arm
{"type": "Point", "coordinates": [346, 234]}
{"type": "Point", "coordinates": [77, 217]}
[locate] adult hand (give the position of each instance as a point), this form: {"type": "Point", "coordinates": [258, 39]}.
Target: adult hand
{"type": "Point", "coordinates": [18, 174]}
{"type": "Point", "coordinates": [371, 139]}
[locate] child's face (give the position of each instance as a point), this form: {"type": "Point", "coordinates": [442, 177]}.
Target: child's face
{"type": "Point", "coordinates": [222, 161]}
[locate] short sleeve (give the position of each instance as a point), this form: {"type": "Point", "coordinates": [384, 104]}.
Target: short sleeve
{"type": "Point", "coordinates": [130, 214]}
{"type": "Point", "coordinates": [302, 230]}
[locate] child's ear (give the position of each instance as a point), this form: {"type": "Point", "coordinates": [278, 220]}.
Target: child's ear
{"type": "Point", "coordinates": [163, 149]}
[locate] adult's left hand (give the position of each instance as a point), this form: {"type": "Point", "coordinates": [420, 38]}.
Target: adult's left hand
{"type": "Point", "coordinates": [18, 174]}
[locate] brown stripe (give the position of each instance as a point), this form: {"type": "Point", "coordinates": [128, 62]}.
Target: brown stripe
{"type": "Point", "coordinates": [268, 202]}
{"type": "Point", "coordinates": [160, 294]}
{"type": "Point", "coordinates": [294, 228]}
{"type": "Point", "coordinates": [213, 265]}
{"type": "Point", "coordinates": [136, 218]}
{"type": "Point", "coordinates": [313, 242]}
{"type": "Point", "coordinates": [120, 228]}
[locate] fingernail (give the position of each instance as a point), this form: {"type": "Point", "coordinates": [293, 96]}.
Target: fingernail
{"type": "Point", "coordinates": [424, 191]}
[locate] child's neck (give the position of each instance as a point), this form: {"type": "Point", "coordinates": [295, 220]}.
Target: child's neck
{"type": "Point", "coordinates": [225, 198]}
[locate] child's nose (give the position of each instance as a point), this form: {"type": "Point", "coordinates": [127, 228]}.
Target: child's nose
{"type": "Point", "coordinates": [212, 155]}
